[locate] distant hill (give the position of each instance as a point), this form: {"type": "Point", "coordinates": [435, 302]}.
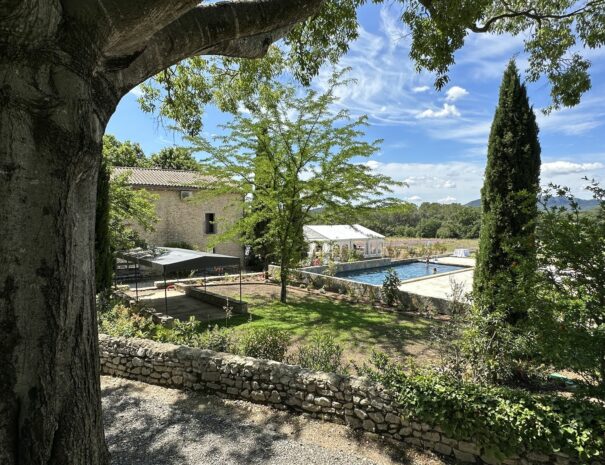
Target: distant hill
{"type": "Point", "coordinates": [585, 204]}
{"type": "Point", "coordinates": [474, 203]}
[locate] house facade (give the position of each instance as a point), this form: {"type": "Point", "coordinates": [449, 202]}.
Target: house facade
{"type": "Point", "coordinates": [182, 217]}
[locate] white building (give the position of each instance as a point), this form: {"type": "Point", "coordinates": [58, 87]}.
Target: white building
{"type": "Point", "coordinates": [340, 240]}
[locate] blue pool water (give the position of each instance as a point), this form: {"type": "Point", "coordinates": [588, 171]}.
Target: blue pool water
{"type": "Point", "coordinates": [405, 271]}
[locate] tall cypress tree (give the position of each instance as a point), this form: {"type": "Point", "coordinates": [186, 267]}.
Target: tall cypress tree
{"type": "Point", "coordinates": [506, 259]}
{"type": "Point", "coordinates": [103, 254]}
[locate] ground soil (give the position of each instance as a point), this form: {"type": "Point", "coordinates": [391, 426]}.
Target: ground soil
{"type": "Point", "coordinates": [152, 425]}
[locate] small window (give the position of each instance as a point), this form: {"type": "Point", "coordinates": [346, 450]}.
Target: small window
{"type": "Point", "coordinates": [210, 226]}
{"type": "Point", "coordinates": [186, 195]}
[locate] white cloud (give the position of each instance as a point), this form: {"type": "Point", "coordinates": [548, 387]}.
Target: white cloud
{"type": "Point", "coordinates": [448, 199]}
{"type": "Point", "coordinates": [447, 111]}
{"type": "Point", "coordinates": [565, 167]}
{"type": "Point", "coordinates": [468, 132]}
{"type": "Point", "coordinates": [419, 89]}
{"type": "Point", "coordinates": [455, 93]}
{"type": "Point", "coordinates": [136, 91]}
{"type": "Point", "coordinates": [573, 121]}
{"type": "Point", "coordinates": [432, 182]}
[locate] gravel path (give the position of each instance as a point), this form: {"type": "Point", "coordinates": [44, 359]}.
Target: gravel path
{"type": "Point", "coordinates": [151, 425]}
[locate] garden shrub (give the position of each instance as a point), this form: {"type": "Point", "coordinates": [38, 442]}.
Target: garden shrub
{"type": "Point", "coordinates": [503, 421]}
{"type": "Point", "coordinates": [267, 343]}
{"type": "Point", "coordinates": [390, 287]}
{"type": "Point", "coordinates": [121, 321]}
{"type": "Point", "coordinates": [331, 269]}
{"type": "Point", "coordinates": [321, 353]}
{"type": "Point", "coordinates": [217, 339]}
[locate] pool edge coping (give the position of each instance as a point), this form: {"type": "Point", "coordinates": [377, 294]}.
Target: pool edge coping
{"type": "Point", "coordinates": [411, 280]}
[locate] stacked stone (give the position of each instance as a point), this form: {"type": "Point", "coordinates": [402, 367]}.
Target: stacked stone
{"type": "Point", "coordinates": [354, 401]}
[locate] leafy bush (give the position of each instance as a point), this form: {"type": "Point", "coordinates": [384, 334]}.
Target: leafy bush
{"type": "Point", "coordinates": [267, 343]}
{"type": "Point", "coordinates": [570, 316]}
{"type": "Point", "coordinates": [217, 339]}
{"type": "Point", "coordinates": [121, 321]}
{"type": "Point", "coordinates": [503, 421]}
{"type": "Point", "coordinates": [321, 353]}
{"type": "Point", "coordinates": [390, 287]}
{"type": "Point", "coordinates": [331, 269]}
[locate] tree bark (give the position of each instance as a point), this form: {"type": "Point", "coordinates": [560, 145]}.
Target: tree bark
{"type": "Point", "coordinates": [50, 149]}
{"type": "Point", "coordinates": [57, 92]}
{"type": "Point", "coordinates": [284, 272]}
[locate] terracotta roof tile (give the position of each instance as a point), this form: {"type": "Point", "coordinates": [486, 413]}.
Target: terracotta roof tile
{"type": "Point", "coordinates": [157, 177]}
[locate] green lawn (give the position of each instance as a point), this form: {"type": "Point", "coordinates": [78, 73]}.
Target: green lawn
{"type": "Point", "coordinates": [359, 328]}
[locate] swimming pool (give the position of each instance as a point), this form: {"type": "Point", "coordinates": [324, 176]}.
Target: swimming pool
{"type": "Point", "coordinates": [404, 271]}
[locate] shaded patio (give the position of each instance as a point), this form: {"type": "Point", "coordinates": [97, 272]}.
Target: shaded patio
{"type": "Point", "coordinates": [182, 301]}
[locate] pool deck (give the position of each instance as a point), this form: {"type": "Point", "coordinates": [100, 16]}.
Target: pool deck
{"type": "Point", "coordinates": [441, 286]}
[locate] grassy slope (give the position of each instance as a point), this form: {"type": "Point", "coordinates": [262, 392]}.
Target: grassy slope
{"type": "Point", "coordinates": [359, 328]}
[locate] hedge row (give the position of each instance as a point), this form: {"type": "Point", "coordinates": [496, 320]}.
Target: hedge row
{"type": "Point", "coordinates": [503, 421]}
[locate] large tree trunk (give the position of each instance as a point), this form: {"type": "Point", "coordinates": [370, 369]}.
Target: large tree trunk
{"type": "Point", "coordinates": [51, 128]}
{"type": "Point", "coordinates": [63, 67]}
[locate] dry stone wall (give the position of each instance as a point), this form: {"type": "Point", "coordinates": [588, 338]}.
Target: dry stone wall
{"type": "Point", "coordinates": [353, 401]}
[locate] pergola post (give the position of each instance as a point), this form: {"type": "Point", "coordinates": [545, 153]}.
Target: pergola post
{"type": "Point", "coordinates": [165, 295]}
{"type": "Point", "coordinates": [240, 283]}
{"type": "Point", "coordinates": [136, 279]}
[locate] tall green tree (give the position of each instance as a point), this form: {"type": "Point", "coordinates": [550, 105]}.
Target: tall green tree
{"type": "Point", "coordinates": [174, 158]}
{"type": "Point", "coordinates": [126, 153]}
{"type": "Point", "coordinates": [103, 254]}
{"type": "Point", "coordinates": [507, 244]}
{"type": "Point", "coordinates": [119, 207]}
{"type": "Point", "coordinates": [506, 262]}
{"type": "Point", "coordinates": [569, 315]}
{"type": "Point", "coordinates": [309, 159]}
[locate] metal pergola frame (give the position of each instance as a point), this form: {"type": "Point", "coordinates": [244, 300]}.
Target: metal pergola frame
{"type": "Point", "coordinates": [172, 259]}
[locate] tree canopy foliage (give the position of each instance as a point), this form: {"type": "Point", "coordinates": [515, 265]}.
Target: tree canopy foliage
{"type": "Point", "coordinates": [175, 158]}
{"type": "Point", "coordinates": [127, 153]}
{"type": "Point", "coordinates": [428, 220]}
{"type": "Point", "coordinates": [120, 209]}
{"type": "Point", "coordinates": [569, 315]}
{"type": "Point", "coordinates": [289, 155]}
{"type": "Point", "coordinates": [557, 36]}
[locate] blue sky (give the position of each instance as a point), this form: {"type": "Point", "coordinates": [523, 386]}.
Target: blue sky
{"type": "Point", "coordinates": [434, 141]}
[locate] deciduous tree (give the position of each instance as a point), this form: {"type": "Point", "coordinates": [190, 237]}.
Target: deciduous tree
{"type": "Point", "coordinates": [569, 315]}
{"type": "Point", "coordinates": [64, 66]}
{"type": "Point", "coordinates": [306, 162]}
{"type": "Point", "coordinates": [174, 158]}
{"type": "Point", "coordinates": [556, 36]}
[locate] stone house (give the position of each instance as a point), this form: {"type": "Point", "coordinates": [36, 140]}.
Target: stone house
{"type": "Point", "coordinates": [183, 218]}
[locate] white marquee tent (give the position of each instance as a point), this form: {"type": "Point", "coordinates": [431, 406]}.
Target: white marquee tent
{"type": "Point", "coordinates": [335, 239]}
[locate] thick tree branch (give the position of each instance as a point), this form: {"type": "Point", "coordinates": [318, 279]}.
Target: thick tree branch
{"type": "Point", "coordinates": [533, 14]}
{"type": "Point", "coordinates": [235, 28]}
{"type": "Point", "coordinates": [132, 23]}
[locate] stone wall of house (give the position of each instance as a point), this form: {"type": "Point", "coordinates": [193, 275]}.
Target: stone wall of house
{"type": "Point", "coordinates": [353, 401]}
{"type": "Point", "coordinates": [184, 220]}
